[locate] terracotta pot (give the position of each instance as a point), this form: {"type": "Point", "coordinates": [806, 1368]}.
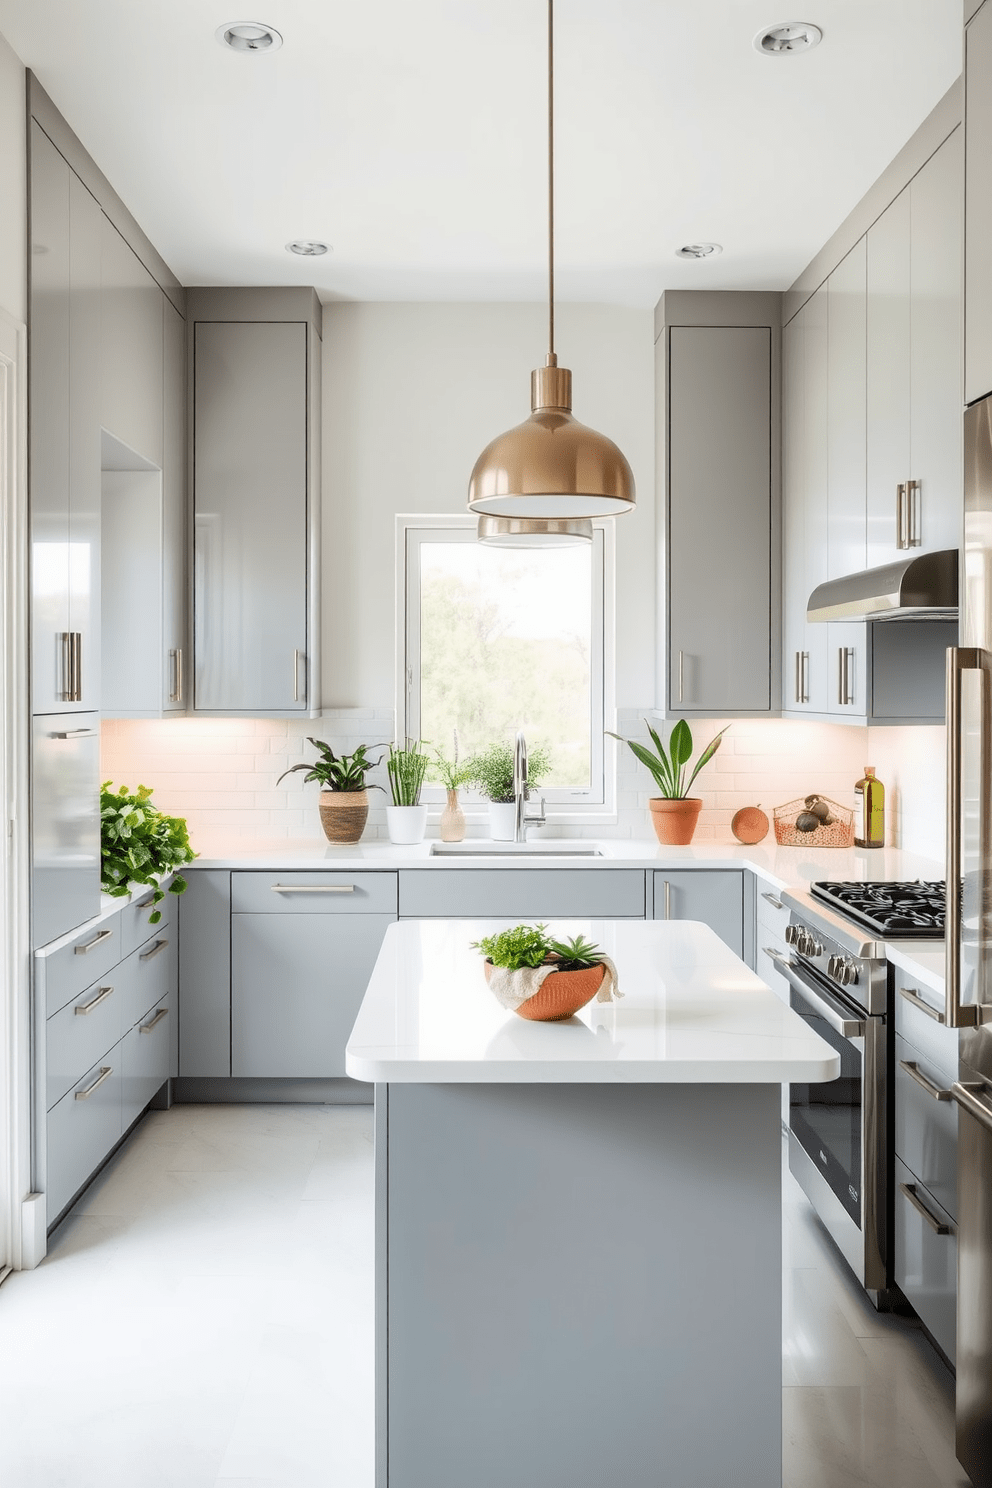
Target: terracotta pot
{"type": "Point", "coordinates": [452, 820]}
{"type": "Point", "coordinates": [343, 814]}
{"type": "Point", "coordinates": [560, 995]}
{"type": "Point", "coordinates": [674, 821]}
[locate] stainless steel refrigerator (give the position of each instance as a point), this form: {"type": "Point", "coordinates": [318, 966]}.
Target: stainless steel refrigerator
{"type": "Point", "coordinates": [968, 1004]}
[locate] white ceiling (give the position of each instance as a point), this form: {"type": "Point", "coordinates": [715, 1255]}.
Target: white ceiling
{"type": "Point", "coordinates": [409, 134]}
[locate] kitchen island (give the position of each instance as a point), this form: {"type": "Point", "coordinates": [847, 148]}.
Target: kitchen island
{"type": "Point", "coordinates": [578, 1224]}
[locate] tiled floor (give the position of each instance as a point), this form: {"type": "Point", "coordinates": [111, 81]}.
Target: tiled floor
{"type": "Point", "coordinates": [204, 1321]}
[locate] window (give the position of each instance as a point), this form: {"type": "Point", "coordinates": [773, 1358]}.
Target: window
{"type": "Point", "coordinates": [493, 640]}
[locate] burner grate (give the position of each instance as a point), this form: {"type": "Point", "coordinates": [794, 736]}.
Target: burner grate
{"type": "Point", "coordinates": [905, 911]}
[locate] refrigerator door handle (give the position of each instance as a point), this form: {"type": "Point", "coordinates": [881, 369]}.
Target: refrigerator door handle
{"type": "Point", "coordinates": [973, 1096]}
{"type": "Point", "coordinates": [959, 659]}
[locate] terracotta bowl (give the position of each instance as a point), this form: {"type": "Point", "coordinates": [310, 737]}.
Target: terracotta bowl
{"type": "Point", "coordinates": [674, 821]}
{"type": "Point", "coordinates": [560, 995]}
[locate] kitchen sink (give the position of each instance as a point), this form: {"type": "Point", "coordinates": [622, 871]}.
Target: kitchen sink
{"type": "Point", "coordinates": [545, 849]}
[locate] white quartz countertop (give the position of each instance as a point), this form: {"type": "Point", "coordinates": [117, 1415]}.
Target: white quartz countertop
{"type": "Point", "coordinates": [691, 1013]}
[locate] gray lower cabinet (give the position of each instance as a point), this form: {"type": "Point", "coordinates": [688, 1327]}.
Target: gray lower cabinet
{"type": "Point", "coordinates": [531, 893]}
{"type": "Point", "coordinates": [297, 982]}
{"type": "Point", "coordinates": [926, 1257]}
{"type": "Point", "coordinates": [714, 896]}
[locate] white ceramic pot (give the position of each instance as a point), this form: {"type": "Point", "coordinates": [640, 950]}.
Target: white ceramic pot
{"type": "Point", "coordinates": [502, 820]}
{"type": "Point", "coordinates": [406, 824]}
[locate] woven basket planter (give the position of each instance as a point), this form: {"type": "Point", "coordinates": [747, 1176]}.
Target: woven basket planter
{"type": "Point", "coordinates": [343, 814]}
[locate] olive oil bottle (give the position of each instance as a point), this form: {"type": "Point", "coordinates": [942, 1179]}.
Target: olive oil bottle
{"type": "Point", "coordinates": [869, 811]}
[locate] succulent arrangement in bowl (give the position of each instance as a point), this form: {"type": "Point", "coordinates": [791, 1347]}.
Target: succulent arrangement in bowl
{"type": "Point", "coordinates": [543, 979]}
{"type": "Point", "coordinates": [344, 800]}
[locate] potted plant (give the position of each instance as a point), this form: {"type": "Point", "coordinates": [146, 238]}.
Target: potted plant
{"type": "Point", "coordinates": [452, 774]}
{"type": "Point", "coordinates": [492, 771]}
{"type": "Point", "coordinates": [140, 845]}
{"type": "Point", "coordinates": [406, 767]}
{"type": "Point", "coordinates": [674, 812]}
{"type": "Point", "coordinates": [543, 979]}
{"type": "Point", "coordinates": [344, 795]}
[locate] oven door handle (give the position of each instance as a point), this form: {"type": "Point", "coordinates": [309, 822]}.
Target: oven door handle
{"type": "Point", "coordinates": [849, 1028]}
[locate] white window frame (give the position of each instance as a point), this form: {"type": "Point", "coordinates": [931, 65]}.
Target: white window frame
{"type": "Point", "coordinates": [598, 804]}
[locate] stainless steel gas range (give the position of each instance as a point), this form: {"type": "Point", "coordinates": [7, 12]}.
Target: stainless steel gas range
{"type": "Point", "coordinates": [838, 1132]}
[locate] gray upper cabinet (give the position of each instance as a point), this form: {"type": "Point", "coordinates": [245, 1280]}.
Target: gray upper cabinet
{"type": "Point", "coordinates": [846, 672]}
{"type": "Point", "coordinates": [978, 207]}
{"type": "Point", "coordinates": [174, 649]}
{"type": "Point", "coordinates": [255, 504]}
{"type": "Point", "coordinates": [132, 350]}
{"type": "Point", "coordinates": [805, 525]}
{"type": "Point", "coordinates": [721, 523]}
{"type": "Point", "coordinates": [914, 363]}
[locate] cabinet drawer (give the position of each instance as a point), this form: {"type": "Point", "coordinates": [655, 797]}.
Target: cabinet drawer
{"type": "Point", "coordinates": [926, 1261]}
{"type": "Point", "coordinates": [932, 1039]}
{"type": "Point", "coordinates": [79, 1034]}
{"type": "Point", "coordinates": [146, 1059]}
{"type": "Point", "coordinates": [82, 1129]}
{"type": "Point", "coordinates": [146, 976]}
{"type": "Point", "coordinates": [926, 1129]}
{"type": "Point", "coordinates": [313, 893]}
{"type": "Point", "coordinates": [773, 914]}
{"type": "Point", "coordinates": [530, 893]}
{"type": "Point", "coordinates": [135, 929]}
{"type": "Point", "coordinates": [80, 962]}
{"type": "Point", "coordinates": [297, 982]}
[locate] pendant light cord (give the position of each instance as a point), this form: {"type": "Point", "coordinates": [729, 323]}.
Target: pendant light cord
{"type": "Point", "coordinates": [551, 183]}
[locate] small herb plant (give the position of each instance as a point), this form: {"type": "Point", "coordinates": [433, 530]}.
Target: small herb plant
{"type": "Point", "coordinates": [451, 773]}
{"type": "Point", "coordinates": [492, 770]}
{"type": "Point", "coordinates": [668, 768]}
{"type": "Point", "coordinates": [345, 772]}
{"type": "Point", "coordinates": [530, 945]}
{"type": "Point", "coordinates": [407, 768]}
{"type": "Point", "coordinates": [139, 844]}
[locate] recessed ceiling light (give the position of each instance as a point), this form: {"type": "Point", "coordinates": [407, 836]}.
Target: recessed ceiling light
{"type": "Point", "coordinates": [698, 250]}
{"type": "Point", "coordinates": [249, 36]}
{"type": "Point", "coordinates": [307, 247]}
{"type": "Point", "coordinates": [788, 38]}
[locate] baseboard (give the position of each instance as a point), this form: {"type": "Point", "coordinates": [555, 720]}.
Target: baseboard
{"type": "Point", "coordinates": [191, 1090]}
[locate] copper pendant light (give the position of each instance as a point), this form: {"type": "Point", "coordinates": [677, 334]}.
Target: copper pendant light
{"type": "Point", "coordinates": [551, 466]}
{"type": "Point", "coordinates": [534, 532]}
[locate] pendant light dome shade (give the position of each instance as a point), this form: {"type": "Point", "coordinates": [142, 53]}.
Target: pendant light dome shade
{"type": "Point", "coordinates": [532, 532]}
{"type": "Point", "coordinates": [551, 465]}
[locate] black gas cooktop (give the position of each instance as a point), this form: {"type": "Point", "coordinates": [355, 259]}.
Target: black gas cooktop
{"type": "Point", "coordinates": [903, 911]}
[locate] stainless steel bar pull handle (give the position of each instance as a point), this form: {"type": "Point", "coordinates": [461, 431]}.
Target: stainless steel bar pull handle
{"type": "Point", "coordinates": [82, 1008]}
{"type": "Point", "coordinates": [76, 734]}
{"type": "Point", "coordinates": [805, 677]}
{"type": "Point", "coordinates": [973, 1096]}
{"type": "Point", "coordinates": [65, 665]}
{"type": "Point", "coordinates": [916, 1001]}
{"type": "Point", "coordinates": [148, 955]}
{"type": "Point", "coordinates": [799, 677]}
{"type": "Point", "coordinates": [78, 667]}
{"type": "Point", "coordinates": [668, 900]}
{"type": "Point", "coordinates": [914, 514]}
{"type": "Point", "coordinates": [176, 664]}
{"type": "Point", "coordinates": [845, 673]}
{"type": "Point", "coordinates": [915, 1073]}
{"type": "Point", "coordinates": [147, 1027]}
{"type": "Point", "coordinates": [105, 1073]}
{"type": "Point", "coordinates": [98, 939]}
{"type": "Point", "coordinates": [773, 900]}
{"type": "Point", "coordinates": [296, 675]}
{"type": "Point", "coordinates": [681, 676]}
{"type": "Point", "coordinates": [959, 659]}
{"type": "Point", "coordinates": [902, 534]}
{"type": "Point", "coordinates": [938, 1227]}
{"type": "Point", "coordinates": [313, 888]}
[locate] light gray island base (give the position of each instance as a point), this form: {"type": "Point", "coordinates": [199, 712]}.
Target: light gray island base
{"type": "Point", "coordinates": [579, 1285]}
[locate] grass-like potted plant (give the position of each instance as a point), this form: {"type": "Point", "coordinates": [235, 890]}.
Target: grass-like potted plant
{"type": "Point", "coordinates": [543, 979]}
{"type": "Point", "coordinates": [140, 845]}
{"type": "Point", "coordinates": [344, 794]}
{"type": "Point", "coordinates": [492, 771]}
{"type": "Point", "coordinates": [674, 812]}
{"type": "Point", "coordinates": [452, 774]}
{"type": "Point", "coordinates": [406, 818]}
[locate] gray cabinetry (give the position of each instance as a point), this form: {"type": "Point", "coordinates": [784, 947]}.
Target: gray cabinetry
{"type": "Point", "coordinates": [65, 823]}
{"type": "Point", "coordinates": [714, 896]}
{"type": "Point", "coordinates": [719, 439]}
{"type": "Point", "coordinates": [846, 673]}
{"type": "Point", "coordinates": [205, 974]}
{"type": "Point", "coordinates": [804, 518]}
{"type": "Point", "coordinates": [978, 206]}
{"type": "Point", "coordinates": [255, 434]}
{"type": "Point", "coordinates": [531, 893]}
{"type": "Point", "coordinates": [131, 396]}
{"type": "Point", "coordinates": [173, 647]}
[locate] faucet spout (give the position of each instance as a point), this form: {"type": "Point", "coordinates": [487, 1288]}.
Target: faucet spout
{"type": "Point", "coordinates": [520, 788]}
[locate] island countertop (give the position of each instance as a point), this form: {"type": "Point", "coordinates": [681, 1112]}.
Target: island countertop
{"type": "Point", "coordinates": [691, 1013]}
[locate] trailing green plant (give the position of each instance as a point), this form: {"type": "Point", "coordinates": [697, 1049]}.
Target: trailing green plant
{"type": "Point", "coordinates": [140, 844]}
{"type": "Point", "coordinates": [492, 770]}
{"type": "Point", "coordinates": [451, 773]}
{"type": "Point", "coordinates": [406, 768]}
{"type": "Point", "coordinates": [344, 772]}
{"type": "Point", "coordinates": [669, 767]}
{"type": "Point", "coordinates": [531, 945]}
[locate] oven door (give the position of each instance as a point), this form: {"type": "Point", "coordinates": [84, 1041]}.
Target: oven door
{"type": "Point", "coordinates": [837, 1129]}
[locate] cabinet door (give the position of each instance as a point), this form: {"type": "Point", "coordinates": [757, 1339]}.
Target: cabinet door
{"type": "Point", "coordinates": [816, 485]}
{"type": "Point", "coordinates": [297, 984]}
{"type": "Point", "coordinates": [49, 423]}
{"type": "Point", "coordinates": [173, 641]}
{"type": "Point", "coordinates": [250, 517]}
{"type": "Point", "coordinates": [889, 340]}
{"type": "Point", "coordinates": [85, 220]}
{"type": "Point", "coordinates": [925, 1257]}
{"type": "Point", "coordinates": [205, 974]}
{"type": "Point", "coordinates": [714, 896]}
{"type": "Point", "coordinates": [65, 837]}
{"type": "Point", "coordinates": [795, 655]}
{"type": "Point", "coordinates": [846, 456]}
{"type": "Point", "coordinates": [719, 544]}
{"type": "Point", "coordinates": [936, 505]}
{"type": "Point", "coordinates": [978, 207]}
{"type": "Point", "coordinates": [132, 349]}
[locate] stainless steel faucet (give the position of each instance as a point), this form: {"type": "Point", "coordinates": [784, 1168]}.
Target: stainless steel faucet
{"type": "Point", "coordinates": [521, 820]}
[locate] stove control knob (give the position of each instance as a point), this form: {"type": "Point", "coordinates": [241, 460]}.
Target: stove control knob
{"type": "Point", "coordinates": [793, 934]}
{"type": "Point", "coordinates": [833, 967]}
{"type": "Point", "coordinates": [848, 973]}
{"type": "Point", "coordinates": [813, 948]}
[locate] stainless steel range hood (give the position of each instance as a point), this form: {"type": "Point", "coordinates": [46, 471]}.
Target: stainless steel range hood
{"type": "Point", "coordinates": [925, 586]}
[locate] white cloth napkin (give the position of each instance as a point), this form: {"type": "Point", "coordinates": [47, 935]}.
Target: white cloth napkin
{"type": "Point", "coordinates": [513, 988]}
